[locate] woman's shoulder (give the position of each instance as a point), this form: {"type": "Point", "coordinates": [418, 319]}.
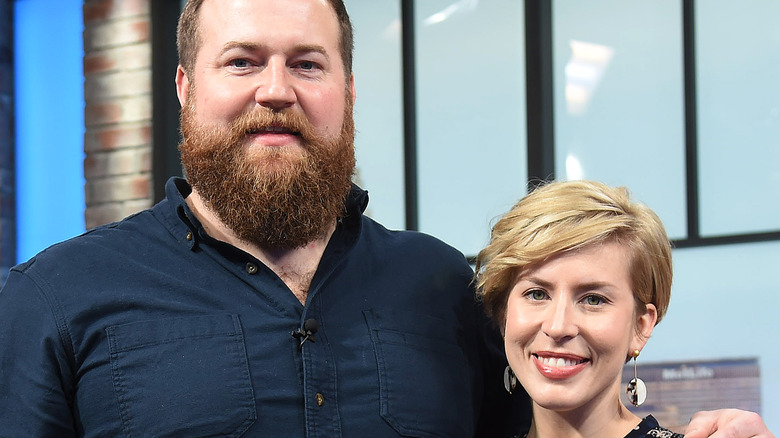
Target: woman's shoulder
{"type": "Point", "coordinates": [649, 427]}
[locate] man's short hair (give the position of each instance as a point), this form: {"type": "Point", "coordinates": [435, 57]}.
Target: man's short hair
{"type": "Point", "coordinates": [188, 39]}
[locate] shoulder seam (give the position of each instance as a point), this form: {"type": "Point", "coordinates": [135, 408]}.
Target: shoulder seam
{"type": "Point", "coordinates": [43, 288]}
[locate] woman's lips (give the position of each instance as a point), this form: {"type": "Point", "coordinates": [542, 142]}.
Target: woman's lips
{"type": "Point", "coordinates": [559, 367]}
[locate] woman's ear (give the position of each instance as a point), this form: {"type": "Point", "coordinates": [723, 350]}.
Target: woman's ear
{"type": "Point", "coordinates": [645, 324]}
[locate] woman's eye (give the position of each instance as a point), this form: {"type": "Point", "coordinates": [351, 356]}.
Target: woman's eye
{"type": "Point", "coordinates": [537, 294]}
{"type": "Point", "coordinates": [594, 300]}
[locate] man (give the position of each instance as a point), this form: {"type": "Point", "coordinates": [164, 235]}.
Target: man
{"type": "Point", "coordinates": [256, 299]}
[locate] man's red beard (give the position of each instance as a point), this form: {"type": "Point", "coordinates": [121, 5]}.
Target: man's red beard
{"type": "Point", "coordinates": [276, 198]}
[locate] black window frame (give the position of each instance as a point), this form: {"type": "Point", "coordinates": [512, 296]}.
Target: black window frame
{"type": "Point", "coordinates": [539, 109]}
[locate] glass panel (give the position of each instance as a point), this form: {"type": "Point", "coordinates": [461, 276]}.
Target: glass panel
{"type": "Point", "coordinates": [379, 107]}
{"type": "Point", "coordinates": [724, 306]}
{"type": "Point", "coordinates": [471, 116]}
{"type": "Point", "coordinates": [738, 66]}
{"type": "Point", "coordinates": [619, 109]}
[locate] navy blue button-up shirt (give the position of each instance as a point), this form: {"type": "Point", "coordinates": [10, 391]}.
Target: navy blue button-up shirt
{"type": "Point", "coordinates": [150, 328]}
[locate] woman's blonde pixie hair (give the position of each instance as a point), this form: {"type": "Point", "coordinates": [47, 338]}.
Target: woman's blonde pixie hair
{"type": "Point", "coordinates": [559, 217]}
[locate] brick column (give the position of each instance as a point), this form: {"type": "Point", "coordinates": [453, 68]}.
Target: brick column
{"type": "Point", "coordinates": [7, 199]}
{"type": "Point", "coordinates": [118, 111]}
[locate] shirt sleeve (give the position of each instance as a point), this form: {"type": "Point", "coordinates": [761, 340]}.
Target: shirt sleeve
{"type": "Point", "coordinates": [35, 369]}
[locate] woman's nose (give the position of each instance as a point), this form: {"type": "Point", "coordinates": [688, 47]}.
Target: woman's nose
{"type": "Point", "coordinates": [560, 321]}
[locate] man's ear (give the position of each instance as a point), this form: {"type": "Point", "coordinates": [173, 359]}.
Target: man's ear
{"type": "Point", "coordinates": [352, 87]}
{"type": "Point", "coordinates": [182, 85]}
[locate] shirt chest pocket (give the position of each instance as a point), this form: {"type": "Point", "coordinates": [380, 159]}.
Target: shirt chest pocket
{"type": "Point", "coordinates": [185, 376]}
{"type": "Point", "coordinates": [426, 385]}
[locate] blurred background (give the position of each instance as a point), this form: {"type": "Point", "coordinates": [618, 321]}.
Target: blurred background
{"type": "Point", "coordinates": [462, 105]}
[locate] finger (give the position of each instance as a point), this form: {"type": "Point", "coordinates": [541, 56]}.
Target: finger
{"type": "Point", "coordinates": [702, 425]}
{"type": "Point", "coordinates": [727, 423]}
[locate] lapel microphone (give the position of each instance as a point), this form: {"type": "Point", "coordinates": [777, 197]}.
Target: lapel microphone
{"type": "Point", "coordinates": [305, 333]}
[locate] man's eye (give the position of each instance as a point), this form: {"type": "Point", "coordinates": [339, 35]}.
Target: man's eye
{"type": "Point", "coordinates": [239, 63]}
{"type": "Point", "coordinates": [307, 65]}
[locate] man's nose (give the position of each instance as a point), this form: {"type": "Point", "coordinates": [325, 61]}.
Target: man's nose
{"type": "Point", "coordinates": [275, 89]}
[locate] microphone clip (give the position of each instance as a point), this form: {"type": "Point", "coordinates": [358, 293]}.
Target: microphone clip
{"type": "Point", "coordinates": [306, 333]}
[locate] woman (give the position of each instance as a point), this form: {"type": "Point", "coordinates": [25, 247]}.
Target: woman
{"type": "Point", "coordinates": [577, 275]}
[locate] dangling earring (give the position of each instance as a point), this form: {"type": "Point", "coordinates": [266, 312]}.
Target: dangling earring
{"type": "Point", "coordinates": [510, 380]}
{"type": "Point", "coordinates": [636, 389]}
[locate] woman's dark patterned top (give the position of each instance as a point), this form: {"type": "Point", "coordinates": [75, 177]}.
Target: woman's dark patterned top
{"type": "Point", "coordinates": [647, 428]}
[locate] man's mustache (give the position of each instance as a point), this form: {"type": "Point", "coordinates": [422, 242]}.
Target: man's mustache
{"type": "Point", "coordinates": [260, 119]}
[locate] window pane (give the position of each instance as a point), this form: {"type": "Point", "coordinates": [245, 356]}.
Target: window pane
{"type": "Point", "coordinates": [619, 109]}
{"type": "Point", "coordinates": [471, 116]}
{"type": "Point", "coordinates": [379, 107]}
{"type": "Point", "coordinates": [738, 67]}
{"type": "Point", "coordinates": [724, 306]}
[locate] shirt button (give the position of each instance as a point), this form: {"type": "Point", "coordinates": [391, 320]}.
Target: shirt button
{"type": "Point", "coordinates": [189, 235]}
{"type": "Point", "coordinates": [251, 268]}
{"type": "Point", "coordinates": [320, 399]}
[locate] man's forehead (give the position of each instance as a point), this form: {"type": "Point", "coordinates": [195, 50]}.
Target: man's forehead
{"type": "Point", "coordinates": [265, 5]}
{"type": "Point", "coordinates": [266, 26]}
{"type": "Point", "coordinates": [283, 16]}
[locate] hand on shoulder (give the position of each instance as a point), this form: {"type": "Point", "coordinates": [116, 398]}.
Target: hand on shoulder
{"type": "Point", "coordinates": [727, 423]}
